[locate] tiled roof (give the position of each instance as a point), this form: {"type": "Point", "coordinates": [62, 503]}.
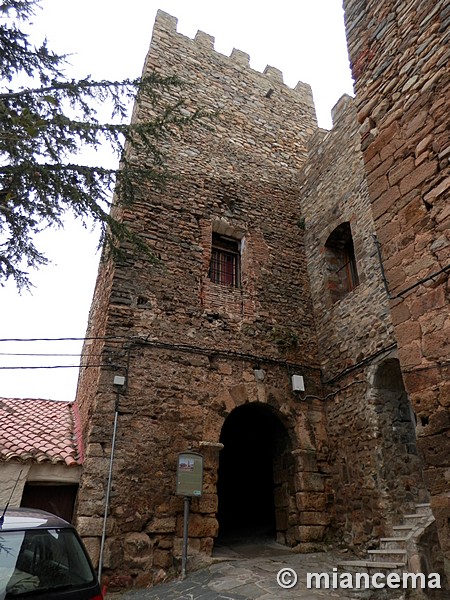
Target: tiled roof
{"type": "Point", "coordinates": [39, 430]}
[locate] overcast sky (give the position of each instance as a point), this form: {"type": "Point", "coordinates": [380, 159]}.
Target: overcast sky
{"type": "Point", "coordinates": [305, 39]}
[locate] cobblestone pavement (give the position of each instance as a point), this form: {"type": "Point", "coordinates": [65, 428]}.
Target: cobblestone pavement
{"type": "Point", "coordinates": [247, 572]}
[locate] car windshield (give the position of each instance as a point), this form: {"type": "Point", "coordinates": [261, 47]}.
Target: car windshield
{"type": "Point", "coordinates": [35, 561]}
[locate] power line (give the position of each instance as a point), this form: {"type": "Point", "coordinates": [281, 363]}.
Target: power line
{"type": "Point", "coordinates": [66, 339]}
{"type": "Point", "coordinates": [42, 354]}
{"type": "Point", "coordinates": [55, 367]}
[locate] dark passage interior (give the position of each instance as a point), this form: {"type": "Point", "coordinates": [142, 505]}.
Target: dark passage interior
{"type": "Point", "coordinates": [252, 437]}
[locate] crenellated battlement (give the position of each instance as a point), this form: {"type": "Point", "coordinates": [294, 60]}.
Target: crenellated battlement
{"type": "Point", "coordinates": [204, 39]}
{"type": "Point", "coordinates": [339, 110]}
{"type": "Point", "coordinates": [240, 57]}
{"type": "Point", "coordinates": [260, 119]}
{"type": "Point", "coordinates": [166, 25]}
{"type": "Point", "coordinates": [343, 115]}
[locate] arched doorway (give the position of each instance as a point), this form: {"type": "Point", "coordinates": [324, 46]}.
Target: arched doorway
{"type": "Point", "coordinates": [401, 465]}
{"type": "Point", "coordinates": [255, 470]}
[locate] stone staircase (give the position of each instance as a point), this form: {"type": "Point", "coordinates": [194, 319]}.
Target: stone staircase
{"type": "Point", "coordinates": [396, 554]}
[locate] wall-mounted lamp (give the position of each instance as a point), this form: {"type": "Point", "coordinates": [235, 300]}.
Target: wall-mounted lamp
{"type": "Point", "coordinates": [259, 374]}
{"type": "Point", "coordinates": [119, 380]}
{"type": "Point", "coordinates": [298, 384]}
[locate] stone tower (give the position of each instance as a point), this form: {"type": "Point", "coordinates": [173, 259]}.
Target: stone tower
{"type": "Point", "coordinates": [376, 472]}
{"type": "Point", "coordinates": [269, 267]}
{"type": "Point", "coordinates": [209, 337]}
{"type": "Point", "coordinates": [399, 53]}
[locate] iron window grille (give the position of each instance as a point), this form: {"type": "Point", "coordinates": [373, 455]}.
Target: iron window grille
{"type": "Point", "coordinates": [225, 265]}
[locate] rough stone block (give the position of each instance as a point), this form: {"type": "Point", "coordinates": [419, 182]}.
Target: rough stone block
{"type": "Point", "coordinates": [315, 518]}
{"type": "Point", "coordinates": [311, 501]}
{"type": "Point", "coordinates": [162, 525]}
{"type": "Point", "coordinates": [201, 526]}
{"type": "Point", "coordinates": [418, 176]}
{"type": "Point", "coordinates": [92, 545]}
{"type": "Point", "coordinates": [162, 559]}
{"type": "Point", "coordinates": [425, 402]}
{"type": "Point", "coordinates": [90, 526]}
{"type": "Point", "coordinates": [311, 533]}
{"type": "Point", "coordinates": [407, 332]}
{"type": "Point", "coordinates": [208, 503]}
{"type": "Point", "coordinates": [411, 354]}
{"type": "Point", "coordinates": [400, 313]}
{"type": "Point", "coordinates": [112, 553]}
{"type": "Point", "coordinates": [439, 422]}
{"type": "Point", "coordinates": [435, 449]}
{"type": "Point", "coordinates": [137, 550]}
{"type": "Point", "coordinates": [436, 345]}
{"type": "Point", "coordinates": [309, 482]}
{"type": "Point", "coordinates": [400, 171]}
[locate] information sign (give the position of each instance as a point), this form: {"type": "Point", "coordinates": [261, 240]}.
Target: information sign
{"type": "Point", "coordinates": [189, 474]}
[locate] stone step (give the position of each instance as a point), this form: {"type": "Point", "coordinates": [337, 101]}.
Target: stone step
{"type": "Point", "coordinates": [402, 530]}
{"type": "Point", "coordinates": [393, 542]}
{"type": "Point", "coordinates": [366, 569]}
{"type": "Point", "coordinates": [414, 517]}
{"type": "Point", "coordinates": [370, 564]}
{"type": "Point", "coordinates": [390, 555]}
{"type": "Point", "coordinates": [370, 567]}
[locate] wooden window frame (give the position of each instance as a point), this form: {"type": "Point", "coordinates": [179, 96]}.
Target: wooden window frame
{"type": "Point", "coordinates": [341, 260]}
{"type": "Point", "coordinates": [225, 264]}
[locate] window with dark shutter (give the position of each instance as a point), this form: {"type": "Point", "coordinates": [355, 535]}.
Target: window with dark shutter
{"type": "Point", "coordinates": [341, 262]}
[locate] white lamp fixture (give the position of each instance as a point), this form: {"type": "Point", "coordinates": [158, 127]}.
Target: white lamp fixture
{"type": "Point", "coordinates": [259, 374]}
{"type": "Point", "coordinates": [298, 384]}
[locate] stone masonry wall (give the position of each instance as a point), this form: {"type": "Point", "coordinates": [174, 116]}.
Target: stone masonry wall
{"type": "Point", "coordinates": [334, 191]}
{"type": "Point", "coordinates": [399, 53]}
{"type": "Point", "coordinates": [189, 347]}
{"type": "Point", "coordinates": [354, 334]}
{"type": "Point", "coordinates": [262, 173]}
{"type": "Point", "coordinates": [378, 470]}
{"type": "Point", "coordinates": [360, 509]}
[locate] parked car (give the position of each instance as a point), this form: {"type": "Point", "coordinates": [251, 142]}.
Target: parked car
{"type": "Point", "coordinates": [43, 558]}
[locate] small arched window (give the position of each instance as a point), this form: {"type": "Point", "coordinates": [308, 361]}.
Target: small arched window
{"type": "Point", "coordinates": [341, 262]}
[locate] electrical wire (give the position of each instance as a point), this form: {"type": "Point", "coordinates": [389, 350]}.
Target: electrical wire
{"type": "Point", "coordinates": [55, 367]}
{"type": "Point", "coordinates": [80, 355]}
{"type": "Point", "coordinates": [331, 394]}
{"type": "Point", "coordinates": [42, 354]}
{"type": "Point", "coordinates": [360, 363]}
{"type": "Point", "coordinates": [67, 339]}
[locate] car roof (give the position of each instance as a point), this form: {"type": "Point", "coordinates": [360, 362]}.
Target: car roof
{"type": "Point", "coordinates": [30, 518]}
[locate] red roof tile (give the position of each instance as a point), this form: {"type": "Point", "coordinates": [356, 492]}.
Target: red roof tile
{"type": "Point", "coordinates": [39, 430]}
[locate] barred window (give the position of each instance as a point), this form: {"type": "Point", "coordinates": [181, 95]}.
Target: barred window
{"type": "Point", "coordinates": [340, 256]}
{"type": "Point", "coordinates": [225, 267]}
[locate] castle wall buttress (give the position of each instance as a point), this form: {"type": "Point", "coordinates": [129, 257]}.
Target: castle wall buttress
{"type": "Point", "coordinates": [376, 473]}
{"type": "Point", "coordinates": [399, 54]}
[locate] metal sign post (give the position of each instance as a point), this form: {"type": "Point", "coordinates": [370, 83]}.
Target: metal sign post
{"type": "Point", "coordinates": [187, 502]}
{"type": "Point", "coordinates": [189, 484]}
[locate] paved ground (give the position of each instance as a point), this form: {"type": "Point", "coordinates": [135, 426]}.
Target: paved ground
{"type": "Point", "coordinates": [248, 572]}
